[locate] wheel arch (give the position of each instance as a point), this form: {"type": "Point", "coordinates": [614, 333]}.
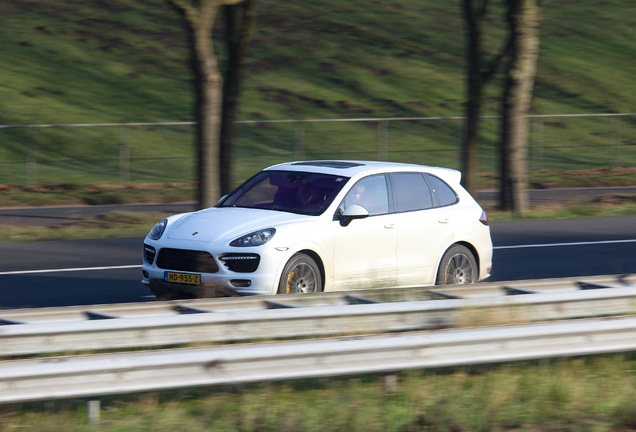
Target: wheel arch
{"type": "Point", "coordinates": [468, 246]}
{"type": "Point", "coordinates": [472, 250]}
{"type": "Point", "coordinates": [318, 260]}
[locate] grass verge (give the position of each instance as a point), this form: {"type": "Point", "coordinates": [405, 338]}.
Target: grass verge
{"type": "Point", "coordinates": [607, 205]}
{"type": "Point", "coordinates": [573, 395]}
{"type": "Point", "coordinates": [94, 194]}
{"type": "Point", "coordinates": [109, 225]}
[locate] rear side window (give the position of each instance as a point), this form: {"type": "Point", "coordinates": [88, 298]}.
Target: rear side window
{"type": "Point", "coordinates": [410, 192]}
{"type": "Point", "coordinates": [443, 195]}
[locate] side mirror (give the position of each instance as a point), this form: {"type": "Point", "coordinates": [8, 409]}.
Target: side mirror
{"type": "Point", "coordinates": [354, 211]}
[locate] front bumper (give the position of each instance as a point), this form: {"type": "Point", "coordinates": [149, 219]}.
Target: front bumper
{"type": "Point", "coordinates": [211, 286]}
{"type": "Point", "coordinates": [222, 274]}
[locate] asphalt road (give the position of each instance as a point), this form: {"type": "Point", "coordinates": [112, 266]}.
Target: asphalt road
{"type": "Point", "coordinates": [81, 272]}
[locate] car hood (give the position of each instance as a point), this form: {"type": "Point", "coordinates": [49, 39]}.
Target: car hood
{"type": "Point", "coordinates": [227, 223]}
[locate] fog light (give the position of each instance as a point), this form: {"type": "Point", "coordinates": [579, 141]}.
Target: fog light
{"type": "Point", "coordinates": [241, 283]}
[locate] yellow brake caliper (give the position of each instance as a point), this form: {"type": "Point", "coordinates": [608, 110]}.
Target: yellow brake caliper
{"type": "Point", "coordinates": [289, 278]}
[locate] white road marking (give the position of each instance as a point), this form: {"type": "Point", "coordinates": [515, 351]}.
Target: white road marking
{"type": "Point", "coordinates": [600, 242]}
{"type": "Point", "coordinates": [543, 245]}
{"type": "Point", "coordinates": [76, 269]}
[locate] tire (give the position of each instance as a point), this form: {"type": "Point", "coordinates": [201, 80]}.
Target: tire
{"type": "Point", "coordinates": [301, 275]}
{"type": "Point", "coordinates": [458, 267]}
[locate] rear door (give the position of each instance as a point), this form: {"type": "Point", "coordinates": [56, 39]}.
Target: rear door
{"type": "Point", "coordinates": [424, 229]}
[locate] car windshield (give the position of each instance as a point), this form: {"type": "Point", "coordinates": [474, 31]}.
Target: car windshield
{"type": "Point", "coordinates": [291, 191]}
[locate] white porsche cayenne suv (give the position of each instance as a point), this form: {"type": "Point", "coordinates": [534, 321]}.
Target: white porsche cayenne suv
{"type": "Point", "coordinates": [315, 226]}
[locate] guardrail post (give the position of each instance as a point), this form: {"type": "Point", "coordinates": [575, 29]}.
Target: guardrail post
{"type": "Point", "coordinates": [390, 383]}
{"type": "Point", "coordinates": [93, 407]}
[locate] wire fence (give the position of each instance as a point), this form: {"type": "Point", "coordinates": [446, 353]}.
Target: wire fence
{"type": "Point", "coordinates": [164, 151]}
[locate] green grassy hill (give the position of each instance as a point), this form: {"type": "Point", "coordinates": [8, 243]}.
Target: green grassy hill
{"type": "Point", "coordinates": [92, 61]}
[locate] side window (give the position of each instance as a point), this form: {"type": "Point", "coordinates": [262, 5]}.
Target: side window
{"type": "Point", "coordinates": [370, 193]}
{"type": "Point", "coordinates": [410, 192]}
{"type": "Point", "coordinates": [443, 195]}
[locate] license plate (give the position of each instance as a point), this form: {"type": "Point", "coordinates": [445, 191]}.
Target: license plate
{"type": "Point", "coordinates": [182, 278]}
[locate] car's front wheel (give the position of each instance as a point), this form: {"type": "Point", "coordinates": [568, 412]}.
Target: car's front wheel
{"type": "Point", "coordinates": [301, 275]}
{"type": "Point", "coordinates": [458, 266]}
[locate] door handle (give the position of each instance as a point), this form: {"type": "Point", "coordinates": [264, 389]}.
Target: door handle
{"type": "Point", "coordinates": [389, 226]}
{"type": "Point", "coordinates": [443, 221]}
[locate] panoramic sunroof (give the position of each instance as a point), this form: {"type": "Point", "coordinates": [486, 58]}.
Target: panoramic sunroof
{"type": "Point", "coordinates": [330, 164]}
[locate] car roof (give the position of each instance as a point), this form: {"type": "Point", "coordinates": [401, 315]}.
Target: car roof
{"type": "Point", "coordinates": [357, 168]}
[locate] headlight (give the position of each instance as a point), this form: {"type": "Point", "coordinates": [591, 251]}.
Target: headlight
{"type": "Point", "coordinates": [256, 238]}
{"type": "Point", "coordinates": [157, 231]}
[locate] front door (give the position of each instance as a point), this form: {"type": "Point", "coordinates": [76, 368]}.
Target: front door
{"type": "Point", "coordinates": [364, 250]}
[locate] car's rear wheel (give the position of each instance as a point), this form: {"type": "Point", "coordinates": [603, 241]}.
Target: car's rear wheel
{"type": "Point", "coordinates": [301, 275]}
{"type": "Point", "coordinates": [458, 266]}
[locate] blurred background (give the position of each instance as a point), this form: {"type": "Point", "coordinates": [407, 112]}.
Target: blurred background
{"type": "Point", "coordinates": [102, 92]}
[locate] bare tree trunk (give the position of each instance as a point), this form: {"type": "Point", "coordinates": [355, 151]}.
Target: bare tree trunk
{"type": "Point", "coordinates": [473, 15]}
{"type": "Point", "coordinates": [200, 17]}
{"type": "Point", "coordinates": [479, 73]}
{"type": "Point", "coordinates": [239, 21]}
{"type": "Point", "coordinates": [524, 21]}
{"type": "Point", "coordinates": [208, 114]}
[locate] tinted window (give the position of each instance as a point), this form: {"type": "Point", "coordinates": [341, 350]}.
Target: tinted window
{"type": "Point", "coordinates": [443, 195]}
{"type": "Point", "coordinates": [371, 193]}
{"type": "Point", "coordinates": [410, 192]}
{"type": "Point", "coordinates": [292, 191]}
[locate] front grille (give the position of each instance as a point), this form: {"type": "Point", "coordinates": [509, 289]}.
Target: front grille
{"type": "Point", "coordinates": [149, 253]}
{"type": "Point", "coordinates": [241, 263]}
{"type": "Point", "coordinates": [187, 260]}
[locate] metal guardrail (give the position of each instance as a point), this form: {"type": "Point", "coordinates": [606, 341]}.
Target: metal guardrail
{"type": "Point", "coordinates": [329, 314]}
{"type": "Point", "coordinates": [87, 376]}
{"type": "Point", "coordinates": [130, 372]}
{"type": "Point", "coordinates": [146, 309]}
